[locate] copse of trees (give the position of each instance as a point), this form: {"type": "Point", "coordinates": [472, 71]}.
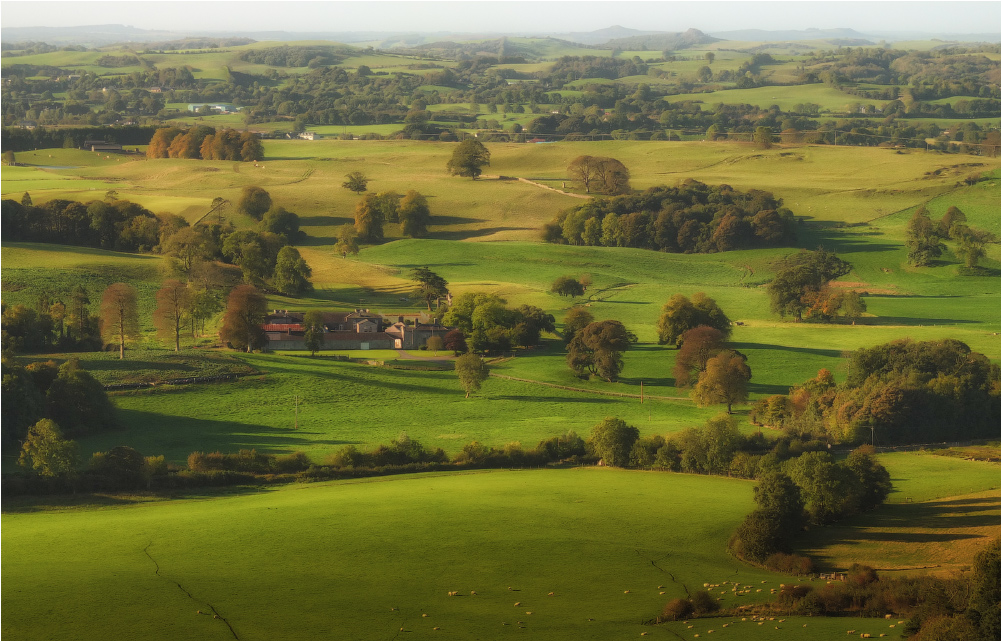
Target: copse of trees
{"type": "Point", "coordinates": [605, 175]}
{"type": "Point", "coordinates": [66, 394]}
{"type": "Point", "coordinates": [900, 392]}
{"type": "Point", "coordinates": [813, 488]}
{"type": "Point", "coordinates": [690, 218]}
{"type": "Point", "coordinates": [205, 143]}
{"type": "Point", "coordinates": [680, 314]}
{"type": "Point", "coordinates": [110, 224]}
{"type": "Point", "coordinates": [801, 287]}
{"type": "Point", "coordinates": [488, 325]}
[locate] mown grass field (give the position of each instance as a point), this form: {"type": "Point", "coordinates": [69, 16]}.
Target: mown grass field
{"type": "Point", "coordinates": [331, 560]}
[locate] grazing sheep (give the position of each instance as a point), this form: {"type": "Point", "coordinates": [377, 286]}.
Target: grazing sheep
{"type": "Point", "coordinates": [528, 612]}
{"type": "Point", "coordinates": [424, 615]}
{"type": "Point", "coordinates": [710, 631]}
{"type": "Point", "coordinates": [453, 593]}
{"type": "Point", "coordinates": [661, 587]}
{"type": "Point", "coordinates": [887, 617]}
{"type": "Point", "coordinates": [518, 604]}
{"type": "Point", "coordinates": [624, 592]}
{"type": "Point", "coordinates": [215, 617]}
{"type": "Point", "coordinates": [199, 612]}
{"type": "Point", "coordinates": [473, 592]}
{"type": "Point", "coordinates": [643, 633]}
{"type": "Point", "coordinates": [434, 628]}
{"type": "Point", "coordinates": [892, 626]}
{"type": "Point", "coordinates": [661, 592]}
{"type": "Point", "coordinates": [550, 593]}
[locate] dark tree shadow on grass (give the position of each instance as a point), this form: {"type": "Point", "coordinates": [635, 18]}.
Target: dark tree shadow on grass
{"type": "Point", "coordinates": [742, 346]}
{"type": "Point", "coordinates": [897, 524]}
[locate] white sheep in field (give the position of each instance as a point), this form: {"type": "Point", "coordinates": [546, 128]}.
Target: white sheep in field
{"type": "Point", "coordinates": [453, 593]}
{"type": "Point", "coordinates": [518, 604]}
{"type": "Point", "coordinates": [473, 592]}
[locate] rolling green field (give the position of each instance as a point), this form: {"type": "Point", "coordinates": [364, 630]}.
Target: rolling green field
{"type": "Point", "coordinates": [376, 559]}
{"type": "Point", "coordinates": [368, 559]}
{"type": "Point", "coordinates": [855, 201]}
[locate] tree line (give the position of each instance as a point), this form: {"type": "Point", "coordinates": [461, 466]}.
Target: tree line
{"type": "Point", "coordinates": [900, 392]}
{"type": "Point", "coordinates": [691, 218]}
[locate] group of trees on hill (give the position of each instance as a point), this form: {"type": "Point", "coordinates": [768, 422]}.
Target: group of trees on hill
{"type": "Point", "coordinates": [489, 325]}
{"type": "Point", "coordinates": [374, 211]}
{"type": "Point", "coordinates": [264, 256]}
{"type": "Point", "coordinates": [812, 489]}
{"type": "Point", "coordinates": [112, 223]}
{"type": "Point", "coordinates": [900, 392]}
{"type": "Point", "coordinates": [45, 403]}
{"type": "Point", "coordinates": [802, 288]}
{"type": "Point", "coordinates": [924, 238]}
{"type": "Point", "coordinates": [606, 175]}
{"type": "Point", "coordinates": [691, 218]}
{"type": "Point", "coordinates": [205, 143]}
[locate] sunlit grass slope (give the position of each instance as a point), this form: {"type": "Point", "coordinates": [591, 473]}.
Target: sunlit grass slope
{"type": "Point", "coordinates": [376, 560]}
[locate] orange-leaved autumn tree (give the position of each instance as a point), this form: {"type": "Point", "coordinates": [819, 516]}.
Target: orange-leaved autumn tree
{"type": "Point", "coordinates": [725, 380]}
{"type": "Point", "coordinates": [245, 311]}
{"type": "Point", "coordinates": [119, 315]}
{"type": "Point", "coordinates": [173, 301]}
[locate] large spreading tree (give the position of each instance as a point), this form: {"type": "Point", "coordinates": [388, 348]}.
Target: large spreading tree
{"type": "Point", "coordinates": [246, 308]}
{"type": "Point", "coordinates": [681, 314]}
{"type": "Point", "coordinates": [801, 277]}
{"type": "Point", "coordinates": [598, 349]}
{"type": "Point", "coordinates": [468, 159]}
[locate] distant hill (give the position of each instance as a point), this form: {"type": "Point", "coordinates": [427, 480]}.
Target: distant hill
{"type": "Point", "coordinates": [662, 41]}
{"type": "Point", "coordinates": [849, 37]}
{"type": "Point", "coordinates": [602, 36]}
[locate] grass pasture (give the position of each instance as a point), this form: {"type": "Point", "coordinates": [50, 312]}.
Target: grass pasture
{"type": "Point", "coordinates": [601, 541]}
{"type": "Point", "coordinates": [605, 543]}
{"type": "Point", "coordinates": [941, 512]}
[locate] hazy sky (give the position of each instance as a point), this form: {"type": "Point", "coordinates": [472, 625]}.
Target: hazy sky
{"type": "Point", "coordinates": [509, 16]}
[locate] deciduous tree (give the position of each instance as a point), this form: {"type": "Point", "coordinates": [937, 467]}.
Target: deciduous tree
{"type": "Point", "coordinates": [254, 202]}
{"type": "Point", "coordinates": [575, 321]}
{"type": "Point", "coordinates": [369, 220]}
{"type": "Point", "coordinates": [612, 440]}
{"type": "Point", "coordinates": [120, 315]}
{"type": "Point", "coordinates": [725, 380]}
{"type": "Point", "coordinates": [698, 346]}
{"type": "Point", "coordinates": [680, 314]}
{"type": "Point", "coordinates": [414, 215]}
{"type": "Point", "coordinates": [567, 286]}
{"type": "Point", "coordinates": [468, 159]}
{"type": "Point", "coordinates": [313, 331]}
{"type": "Point", "coordinates": [347, 240]}
{"type": "Point", "coordinates": [245, 312]}
{"type": "Point", "coordinates": [803, 273]}
{"type": "Point", "coordinates": [598, 348]}
{"type": "Point", "coordinates": [292, 274]}
{"type": "Point", "coordinates": [922, 239]}
{"type": "Point", "coordinates": [173, 304]}
{"type": "Point", "coordinates": [45, 452]}
{"type": "Point", "coordinates": [355, 181]}
{"type": "Point", "coordinates": [472, 372]}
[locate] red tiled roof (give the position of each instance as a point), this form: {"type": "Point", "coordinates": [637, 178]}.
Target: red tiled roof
{"type": "Point", "coordinates": [282, 327]}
